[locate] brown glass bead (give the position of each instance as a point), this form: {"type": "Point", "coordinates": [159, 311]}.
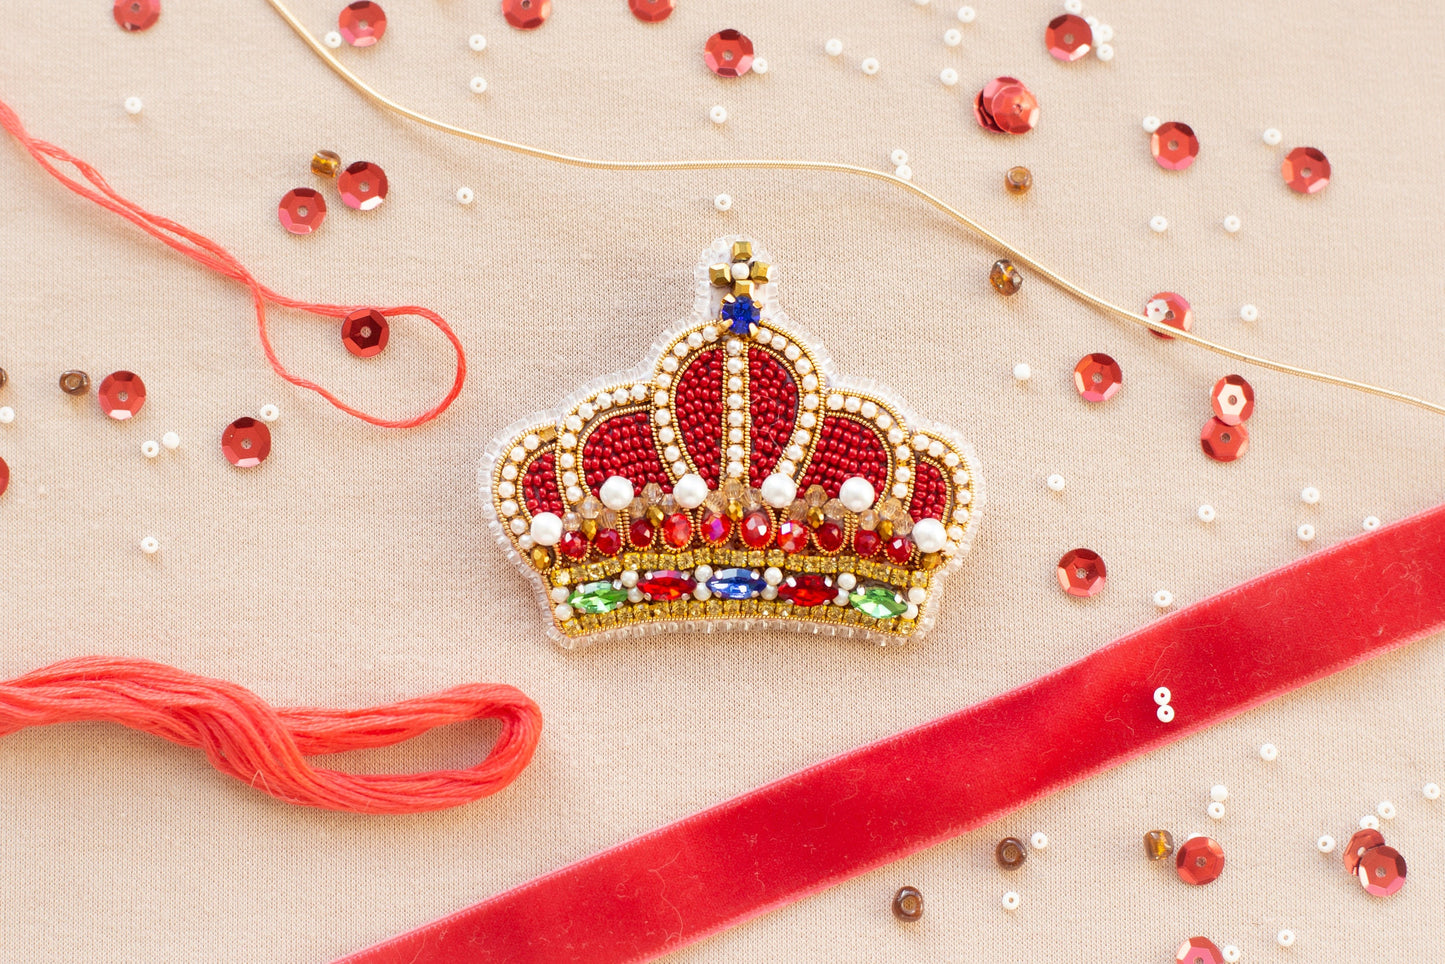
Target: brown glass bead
{"type": "Point", "coordinates": [1018, 180]}
{"type": "Point", "coordinates": [1004, 277]}
{"type": "Point", "coordinates": [1158, 844]}
{"type": "Point", "coordinates": [1010, 853]}
{"type": "Point", "coordinates": [3, 378]}
{"type": "Point", "coordinates": [325, 163]}
{"type": "Point", "coordinates": [908, 904]}
{"type": "Point", "coordinates": [74, 382]}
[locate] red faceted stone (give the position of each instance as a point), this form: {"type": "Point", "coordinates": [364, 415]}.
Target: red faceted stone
{"type": "Point", "coordinates": [666, 585]}
{"type": "Point", "coordinates": [1232, 399]}
{"type": "Point", "coordinates": [866, 542]}
{"type": "Point", "coordinates": [728, 53]}
{"type": "Point", "coordinates": [716, 528]}
{"type": "Point", "coordinates": [361, 23]}
{"type": "Point", "coordinates": [1081, 572]}
{"type": "Point", "coordinates": [1098, 377]}
{"type": "Point", "coordinates": [1199, 950]}
{"type": "Point", "coordinates": [362, 186]}
{"type": "Point", "coordinates": [1068, 37]}
{"type": "Point", "coordinates": [136, 14]}
{"type": "Point", "coordinates": [246, 442]}
{"type": "Point", "coordinates": [1014, 109]}
{"type": "Point", "coordinates": [4, 476]}
{"type": "Point", "coordinates": [829, 536]}
{"type": "Point", "coordinates": [898, 550]}
{"type": "Point", "coordinates": [1382, 871]}
{"type": "Point", "coordinates": [677, 530]}
{"type": "Point", "coordinates": [573, 545]}
{"type": "Point", "coordinates": [1305, 170]}
{"type": "Point", "coordinates": [1199, 860]}
{"type": "Point", "coordinates": [1361, 841]}
{"type": "Point", "coordinates": [807, 590]}
{"type": "Point", "coordinates": [301, 210]}
{"type": "Point", "coordinates": [792, 535]}
{"type": "Point", "coordinates": [608, 541]}
{"type": "Point", "coordinates": [526, 14]}
{"type": "Point", "coordinates": [651, 11]}
{"type": "Point", "coordinates": [1174, 145]}
{"type": "Point", "coordinates": [1167, 308]}
{"type": "Point", "coordinates": [1222, 442]}
{"type": "Point", "coordinates": [757, 529]}
{"type": "Point", "coordinates": [640, 533]}
{"type": "Point", "coordinates": [121, 395]}
{"type": "Point", "coordinates": [365, 332]}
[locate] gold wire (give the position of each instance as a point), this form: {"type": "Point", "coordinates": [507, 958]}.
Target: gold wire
{"type": "Point", "coordinates": [768, 164]}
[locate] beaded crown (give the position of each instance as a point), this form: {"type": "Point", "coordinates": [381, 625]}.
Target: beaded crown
{"type": "Point", "coordinates": [732, 481]}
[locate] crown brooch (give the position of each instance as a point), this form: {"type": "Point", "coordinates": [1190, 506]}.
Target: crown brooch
{"type": "Point", "coordinates": [733, 481]}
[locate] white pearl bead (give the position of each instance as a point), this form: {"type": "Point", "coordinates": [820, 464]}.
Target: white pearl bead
{"type": "Point", "coordinates": [690, 491]}
{"type": "Point", "coordinates": [478, 85]}
{"type": "Point", "coordinates": [559, 594]}
{"type": "Point", "coordinates": [629, 578]}
{"type": "Point", "coordinates": [760, 66]}
{"type": "Point", "coordinates": [869, 66]}
{"type": "Point", "coordinates": [1165, 713]}
{"type": "Point", "coordinates": [1309, 495]}
{"type": "Point", "coordinates": [834, 47]}
{"type": "Point", "coordinates": [563, 612]}
{"type": "Point", "coordinates": [1369, 822]}
{"type": "Point", "coordinates": [1272, 136]}
{"type": "Point", "coordinates": [929, 535]}
{"type": "Point", "coordinates": [899, 157]}
{"type": "Point", "coordinates": [546, 529]}
{"type": "Point", "coordinates": [1268, 752]}
{"type": "Point", "coordinates": [1010, 901]}
{"type": "Point", "coordinates": [1152, 123]}
{"type": "Point", "coordinates": [1431, 791]}
{"type": "Point", "coordinates": [1103, 33]}
{"type": "Point", "coordinates": [779, 491]}
{"type": "Point", "coordinates": [1285, 937]}
{"type": "Point", "coordinates": [1163, 599]}
{"type": "Point", "coordinates": [1039, 841]}
{"type": "Point", "coordinates": [953, 36]}
{"type": "Point", "coordinates": [1162, 696]}
{"type": "Point", "coordinates": [1158, 224]}
{"type": "Point", "coordinates": [1104, 52]}
{"type": "Point", "coordinates": [719, 114]}
{"type": "Point", "coordinates": [1219, 793]}
{"type": "Point", "coordinates": [1074, 6]}
{"type": "Point", "coordinates": [1386, 810]}
{"type": "Point", "coordinates": [269, 413]}
{"type": "Point", "coordinates": [903, 172]}
{"type": "Point", "coordinates": [1326, 844]}
{"type": "Point", "coordinates": [150, 545]}
{"type": "Point", "coordinates": [1305, 532]}
{"type": "Point", "coordinates": [7, 415]}
{"type": "Point", "coordinates": [332, 39]}
{"type": "Point", "coordinates": [150, 449]}
{"type": "Point", "coordinates": [1232, 223]}
{"type": "Point", "coordinates": [1056, 482]}
{"type": "Point", "coordinates": [1206, 513]}
{"type": "Point", "coordinates": [477, 42]}
{"type": "Point", "coordinates": [1216, 810]}
{"type": "Point", "coordinates": [1231, 954]}
{"type": "Point", "coordinates": [967, 15]}
{"type": "Point", "coordinates": [1371, 523]}
{"type": "Point", "coordinates": [133, 105]}
{"type": "Point", "coordinates": [465, 195]}
{"type": "Point", "coordinates": [856, 493]}
{"type": "Point", "coordinates": [616, 493]}
{"type": "Point", "coordinates": [701, 593]}
{"type": "Point", "coordinates": [773, 575]}
{"type": "Point", "coordinates": [722, 202]}
{"type": "Point", "coordinates": [1248, 313]}
{"type": "Point", "coordinates": [1022, 372]}
{"type": "Point", "coordinates": [948, 76]}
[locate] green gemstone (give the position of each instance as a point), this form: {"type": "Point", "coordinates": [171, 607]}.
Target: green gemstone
{"type": "Point", "coordinates": [878, 602]}
{"type": "Point", "coordinates": [596, 597]}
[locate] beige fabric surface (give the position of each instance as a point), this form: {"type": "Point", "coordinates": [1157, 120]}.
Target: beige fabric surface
{"type": "Point", "coordinates": [353, 568]}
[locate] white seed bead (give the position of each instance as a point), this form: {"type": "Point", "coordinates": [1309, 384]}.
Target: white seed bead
{"type": "Point", "coordinates": [834, 47]}
{"type": "Point", "coordinates": [1092, 21]}
{"type": "Point", "coordinates": [1231, 954]}
{"type": "Point", "coordinates": [1162, 696]}
{"type": "Point", "coordinates": [1431, 791]}
{"type": "Point", "coordinates": [953, 36]}
{"type": "Point", "coordinates": [1158, 224]}
{"type": "Point", "coordinates": [1369, 822]}
{"type": "Point", "coordinates": [967, 15]}
{"type": "Point", "coordinates": [1305, 532]}
{"type": "Point", "coordinates": [1268, 752]}
{"type": "Point", "coordinates": [1215, 810]}
{"type": "Point", "coordinates": [1232, 224]}
{"type": "Point", "coordinates": [869, 66]}
{"type": "Point", "coordinates": [903, 172]}
{"type": "Point", "coordinates": [1285, 937]}
{"type": "Point", "coordinates": [1371, 523]}
{"type": "Point", "coordinates": [1206, 513]}
{"type": "Point", "coordinates": [760, 66]}
{"type": "Point", "coordinates": [150, 545]}
{"type": "Point", "coordinates": [1248, 313]}
{"type": "Point", "coordinates": [1309, 495]}
{"type": "Point", "coordinates": [332, 39]}
{"type": "Point", "coordinates": [1326, 844]}
{"type": "Point", "coordinates": [1165, 713]}
{"type": "Point", "coordinates": [269, 413]}
{"type": "Point", "coordinates": [1152, 123]}
{"type": "Point", "coordinates": [7, 415]}
{"type": "Point", "coordinates": [1039, 841]}
{"type": "Point", "coordinates": [478, 85]}
{"type": "Point", "coordinates": [133, 105]}
{"type": "Point", "coordinates": [1103, 33]}
{"type": "Point", "coordinates": [1272, 136]}
{"type": "Point", "coordinates": [1022, 372]}
{"type": "Point", "coordinates": [1163, 599]}
{"type": "Point", "coordinates": [1104, 52]}
{"type": "Point", "coordinates": [150, 449]}
{"type": "Point", "coordinates": [718, 114]}
{"type": "Point", "coordinates": [1056, 482]}
{"type": "Point", "coordinates": [1074, 6]}
{"type": "Point", "coordinates": [899, 157]}
{"type": "Point", "coordinates": [465, 195]}
{"type": "Point", "coordinates": [477, 42]}
{"type": "Point", "coordinates": [1219, 793]}
{"type": "Point", "coordinates": [1010, 901]}
{"type": "Point", "coordinates": [948, 76]}
{"type": "Point", "coordinates": [722, 202]}
{"type": "Point", "coordinates": [1386, 810]}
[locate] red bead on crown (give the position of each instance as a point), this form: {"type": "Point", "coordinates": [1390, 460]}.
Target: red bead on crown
{"type": "Point", "coordinates": [733, 481]}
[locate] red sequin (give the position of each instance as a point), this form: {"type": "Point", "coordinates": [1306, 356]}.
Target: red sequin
{"type": "Point", "coordinates": [829, 536]}
{"type": "Point", "coordinates": [1305, 170]}
{"type": "Point", "coordinates": [1199, 860]}
{"type": "Point", "coordinates": [4, 476]}
{"type": "Point", "coordinates": [757, 529]}
{"type": "Point", "coordinates": [1006, 106]}
{"type": "Point", "coordinates": [1382, 871]}
{"type": "Point", "coordinates": [699, 412]}
{"type": "Point", "coordinates": [135, 15]}
{"type": "Point", "coordinates": [365, 332]}
{"type": "Point", "coordinates": [807, 590]}
{"type": "Point", "coordinates": [1232, 400]}
{"type": "Point", "coordinates": [573, 545]}
{"type": "Point", "coordinates": [362, 186]}
{"type": "Point", "coordinates": [773, 405]}
{"type": "Point", "coordinates": [677, 530]}
{"type": "Point", "coordinates": [728, 53]}
{"type": "Point", "coordinates": [846, 447]}
{"type": "Point", "coordinates": [301, 210]}
{"type": "Point", "coordinates": [1170, 309]}
{"type": "Point", "coordinates": [651, 11]}
{"type": "Point", "coordinates": [1223, 443]}
{"type": "Point", "coordinates": [640, 533]}
{"type": "Point", "coordinates": [246, 442]}
{"type": "Point", "coordinates": [716, 528]}
{"type": "Point", "coordinates": [1081, 572]}
{"type": "Point", "coordinates": [608, 542]}
{"type": "Point", "coordinates": [121, 395]}
{"type": "Point", "coordinates": [1361, 841]}
{"type": "Point", "coordinates": [1174, 145]}
{"type": "Point", "coordinates": [526, 14]}
{"type": "Point", "coordinates": [623, 445]}
{"type": "Point", "coordinates": [1199, 950]}
{"type": "Point", "coordinates": [898, 549]}
{"type": "Point", "coordinates": [361, 23]}
{"type": "Point", "coordinates": [1068, 37]}
{"type": "Point", "coordinates": [1098, 377]}
{"type": "Point", "coordinates": [930, 492]}
{"type": "Point", "coordinates": [866, 542]}
{"type": "Point", "coordinates": [792, 535]}
{"type": "Point", "coordinates": [539, 485]}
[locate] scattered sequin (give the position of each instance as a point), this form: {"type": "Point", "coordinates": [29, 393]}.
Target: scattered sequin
{"type": "Point", "coordinates": [361, 23]}
{"type": "Point", "coordinates": [1199, 950]}
{"type": "Point", "coordinates": [1305, 170]}
{"type": "Point", "coordinates": [908, 904]}
{"type": "Point", "coordinates": [728, 53]}
{"type": "Point", "coordinates": [1168, 308]}
{"type": "Point", "coordinates": [362, 186]}
{"type": "Point", "coordinates": [1006, 106]}
{"type": "Point", "coordinates": [1174, 146]}
{"type": "Point", "coordinates": [1068, 37]}
{"type": "Point", "coordinates": [246, 443]}
{"type": "Point", "coordinates": [136, 15]}
{"type": "Point", "coordinates": [1223, 442]}
{"type": "Point", "coordinates": [365, 332]}
{"type": "Point", "coordinates": [1199, 860]}
{"type": "Point", "coordinates": [301, 210]}
{"type": "Point", "coordinates": [1081, 572]}
{"type": "Point", "coordinates": [4, 476]}
{"type": "Point", "coordinates": [1382, 871]}
{"type": "Point", "coordinates": [1232, 400]}
{"type": "Point", "coordinates": [1360, 841]}
{"type": "Point", "coordinates": [651, 11]}
{"type": "Point", "coordinates": [1097, 377]}
{"type": "Point", "coordinates": [526, 14]}
{"type": "Point", "coordinates": [121, 395]}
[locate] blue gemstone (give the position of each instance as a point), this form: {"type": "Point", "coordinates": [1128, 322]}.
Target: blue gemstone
{"type": "Point", "coordinates": [736, 584]}
{"type": "Point", "coordinates": [741, 314]}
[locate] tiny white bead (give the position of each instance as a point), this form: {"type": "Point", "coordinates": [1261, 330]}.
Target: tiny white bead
{"type": "Point", "coordinates": [1010, 901]}
{"type": "Point", "coordinates": [7, 415]}
{"type": "Point", "coordinates": [1219, 793]}
{"type": "Point", "coordinates": [1326, 844]}
{"type": "Point", "coordinates": [629, 578]}
{"type": "Point", "coordinates": [1216, 810]}
{"type": "Point", "coordinates": [150, 545]}
{"type": "Point", "coordinates": [1206, 513]}
{"type": "Point", "coordinates": [1309, 495]}
{"type": "Point", "coordinates": [150, 449]}
{"type": "Point", "coordinates": [1103, 33]}
{"type": "Point", "coordinates": [967, 15]}
{"type": "Point", "coordinates": [1158, 224]}
{"type": "Point", "coordinates": [465, 195]}
{"type": "Point", "coordinates": [1369, 822]}
{"type": "Point", "coordinates": [1152, 123]}
{"type": "Point", "coordinates": [1371, 523]}
{"type": "Point", "coordinates": [269, 413]}
{"type": "Point", "coordinates": [479, 85]}
{"type": "Point", "coordinates": [722, 202]}
{"type": "Point", "coordinates": [1056, 482]}
{"type": "Point", "coordinates": [869, 66]}
{"type": "Point", "coordinates": [1285, 937]}
{"type": "Point", "coordinates": [1268, 751]}
{"type": "Point", "coordinates": [899, 157]}
{"type": "Point", "coordinates": [1232, 223]}
{"type": "Point", "coordinates": [1231, 953]}
{"type": "Point", "coordinates": [953, 36]}
{"type": "Point", "coordinates": [1104, 52]}
{"type": "Point", "coordinates": [719, 114]}
{"type": "Point", "coordinates": [1305, 532]}
{"type": "Point", "coordinates": [904, 172]}
{"type": "Point", "coordinates": [563, 612]}
{"type": "Point", "coordinates": [559, 594]}
{"type": "Point", "coordinates": [1074, 6]}
{"type": "Point", "coordinates": [1022, 372]}
{"type": "Point", "coordinates": [1039, 841]}
{"type": "Point", "coordinates": [1386, 810]}
{"type": "Point", "coordinates": [1165, 713]}
{"type": "Point", "coordinates": [1163, 599]}
{"type": "Point", "coordinates": [948, 76]}
{"type": "Point", "coordinates": [834, 47]}
{"type": "Point", "coordinates": [1431, 791]}
{"type": "Point", "coordinates": [921, 3]}
{"type": "Point", "coordinates": [1092, 21]}
{"type": "Point", "coordinates": [1248, 313]}
{"type": "Point", "coordinates": [760, 66]}
{"type": "Point", "coordinates": [1162, 696]}
{"type": "Point", "coordinates": [1272, 136]}
{"type": "Point", "coordinates": [133, 105]}
{"type": "Point", "coordinates": [477, 42]}
{"type": "Point", "coordinates": [332, 39]}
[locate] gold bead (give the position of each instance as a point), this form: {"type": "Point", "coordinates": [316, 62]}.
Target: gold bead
{"type": "Point", "coordinates": [884, 529]}
{"type": "Point", "coordinates": [742, 288]}
{"type": "Point", "coordinates": [1004, 277]}
{"type": "Point", "coordinates": [930, 560]}
{"type": "Point", "coordinates": [655, 515]}
{"type": "Point", "coordinates": [325, 163]}
{"type": "Point", "coordinates": [735, 510]}
{"type": "Point", "coordinates": [541, 558]}
{"type": "Point", "coordinates": [721, 275]}
{"type": "Point", "coordinates": [1018, 180]}
{"type": "Point", "coordinates": [742, 251]}
{"type": "Point", "coordinates": [589, 529]}
{"type": "Point", "coordinates": [814, 516]}
{"type": "Point", "coordinates": [761, 273]}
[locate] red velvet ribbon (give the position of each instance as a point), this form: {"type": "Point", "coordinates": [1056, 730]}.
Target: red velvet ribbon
{"type": "Point", "coordinates": [881, 802]}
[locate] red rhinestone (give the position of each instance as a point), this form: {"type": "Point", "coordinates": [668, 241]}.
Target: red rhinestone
{"type": "Point", "coordinates": [1233, 400]}
{"type": "Point", "coordinates": [1199, 860]}
{"type": "Point", "coordinates": [1167, 308]}
{"type": "Point", "coordinates": [361, 23]}
{"type": "Point", "coordinates": [1081, 572]}
{"type": "Point", "coordinates": [121, 395]}
{"type": "Point", "coordinates": [1361, 841]}
{"type": "Point", "coordinates": [4, 476]}
{"type": "Point", "coordinates": [573, 545]}
{"type": "Point", "coordinates": [807, 590]}
{"type": "Point", "coordinates": [1223, 443]}
{"type": "Point", "coordinates": [136, 14]}
{"type": "Point", "coordinates": [792, 536]}
{"type": "Point", "coordinates": [1174, 146]}
{"type": "Point", "coordinates": [728, 54]}
{"type": "Point", "coordinates": [246, 442]}
{"type": "Point", "coordinates": [526, 14]}
{"type": "Point", "coordinates": [1305, 170]}
{"type": "Point", "coordinates": [365, 332]}
{"type": "Point", "coordinates": [716, 528]}
{"type": "Point", "coordinates": [677, 530]}
{"type": "Point", "coordinates": [640, 533]}
{"type": "Point", "coordinates": [608, 542]}
{"type": "Point", "coordinates": [899, 549]}
{"type": "Point", "coordinates": [362, 186]}
{"type": "Point", "coordinates": [666, 585]}
{"type": "Point", "coordinates": [829, 536]}
{"type": "Point", "coordinates": [866, 542]}
{"type": "Point", "coordinates": [1068, 37]}
{"type": "Point", "coordinates": [301, 210]}
{"type": "Point", "coordinates": [1098, 377]}
{"type": "Point", "coordinates": [757, 529]}
{"type": "Point", "coordinates": [1382, 871]}
{"type": "Point", "coordinates": [652, 11]}
{"type": "Point", "coordinates": [1199, 950]}
{"type": "Point", "coordinates": [1014, 109]}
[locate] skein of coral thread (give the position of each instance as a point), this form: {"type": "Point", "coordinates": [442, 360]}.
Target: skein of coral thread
{"type": "Point", "coordinates": [265, 747]}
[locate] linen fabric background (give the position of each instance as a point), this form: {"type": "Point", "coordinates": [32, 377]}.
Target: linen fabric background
{"type": "Point", "coordinates": [353, 568]}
